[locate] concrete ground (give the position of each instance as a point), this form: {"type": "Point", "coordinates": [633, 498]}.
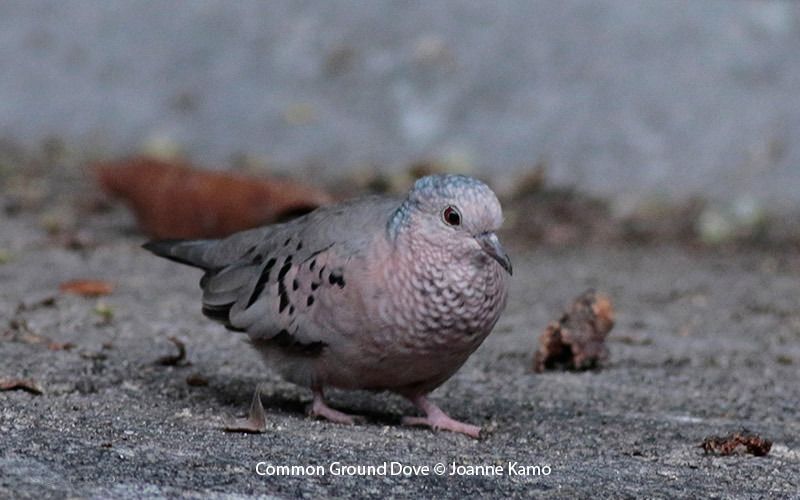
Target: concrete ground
{"type": "Point", "coordinates": [705, 343]}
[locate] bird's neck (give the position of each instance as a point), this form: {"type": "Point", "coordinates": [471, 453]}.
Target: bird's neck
{"type": "Point", "coordinates": [399, 221]}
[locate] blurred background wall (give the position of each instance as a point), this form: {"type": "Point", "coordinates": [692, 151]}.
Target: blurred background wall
{"type": "Point", "coordinates": [616, 97]}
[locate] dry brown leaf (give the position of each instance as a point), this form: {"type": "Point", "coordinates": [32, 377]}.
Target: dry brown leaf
{"type": "Point", "coordinates": [737, 443]}
{"type": "Point", "coordinates": [255, 422]}
{"type": "Point", "coordinates": [174, 200]}
{"type": "Point", "coordinates": [577, 340]}
{"type": "Point", "coordinates": [10, 384]}
{"type": "Point", "coordinates": [87, 288]}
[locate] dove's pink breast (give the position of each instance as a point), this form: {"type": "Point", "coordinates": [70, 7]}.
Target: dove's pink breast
{"type": "Point", "coordinates": [427, 320]}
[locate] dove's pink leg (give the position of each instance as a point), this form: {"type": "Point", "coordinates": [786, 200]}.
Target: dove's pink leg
{"type": "Point", "coordinates": [437, 419]}
{"type": "Point", "coordinates": [318, 408]}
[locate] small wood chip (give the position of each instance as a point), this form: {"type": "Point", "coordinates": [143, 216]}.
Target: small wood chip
{"type": "Point", "coordinates": [737, 443]}
{"type": "Point", "coordinates": [21, 384]}
{"type": "Point", "coordinates": [87, 288]}
{"type": "Point", "coordinates": [196, 380]}
{"type": "Point", "coordinates": [60, 346]}
{"type": "Point", "coordinates": [94, 355]}
{"type": "Point", "coordinates": [256, 421]}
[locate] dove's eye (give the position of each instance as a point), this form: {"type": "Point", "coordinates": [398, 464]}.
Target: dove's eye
{"type": "Point", "coordinates": [452, 216]}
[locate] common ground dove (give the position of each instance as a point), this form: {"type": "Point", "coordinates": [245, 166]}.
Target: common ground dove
{"type": "Point", "coordinates": [377, 293]}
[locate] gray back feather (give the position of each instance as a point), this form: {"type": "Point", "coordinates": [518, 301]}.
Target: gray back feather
{"type": "Point", "coordinates": [270, 281]}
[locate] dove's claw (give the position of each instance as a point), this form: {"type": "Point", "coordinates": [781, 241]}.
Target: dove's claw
{"type": "Point", "coordinates": [318, 408]}
{"type": "Point", "coordinates": [437, 419]}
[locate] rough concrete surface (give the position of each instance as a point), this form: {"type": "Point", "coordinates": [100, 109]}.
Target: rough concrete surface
{"type": "Point", "coordinates": [705, 343]}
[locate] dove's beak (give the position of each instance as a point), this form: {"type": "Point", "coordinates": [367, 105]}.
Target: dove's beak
{"type": "Point", "coordinates": [491, 245]}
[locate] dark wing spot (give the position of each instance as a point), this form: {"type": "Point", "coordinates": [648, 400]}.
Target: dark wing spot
{"type": "Point", "coordinates": [310, 300]}
{"type": "Point", "coordinates": [299, 245]}
{"type": "Point", "coordinates": [287, 263]}
{"type": "Point", "coordinates": [257, 259]}
{"type": "Point", "coordinates": [312, 265]}
{"type": "Point", "coordinates": [288, 240]}
{"type": "Point", "coordinates": [336, 278]}
{"type": "Point", "coordinates": [314, 285]}
{"type": "Point", "coordinates": [295, 284]}
{"type": "Point", "coordinates": [321, 270]}
{"type": "Point", "coordinates": [284, 296]}
{"type": "Point", "coordinates": [291, 310]}
{"type": "Point", "coordinates": [261, 283]}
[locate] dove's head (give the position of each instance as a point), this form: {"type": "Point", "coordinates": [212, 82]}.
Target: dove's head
{"type": "Point", "coordinates": [455, 212]}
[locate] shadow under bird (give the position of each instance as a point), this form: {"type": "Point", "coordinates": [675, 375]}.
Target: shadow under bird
{"type": "Point", "coordinates": [376, 293]}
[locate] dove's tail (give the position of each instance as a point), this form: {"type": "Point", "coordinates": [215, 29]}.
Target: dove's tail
{"type": "Point", "coordinates": [190, 252]}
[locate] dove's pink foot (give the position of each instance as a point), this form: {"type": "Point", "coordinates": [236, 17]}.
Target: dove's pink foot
{"type": "Point", "coordinates": [437, 419]}
{"type": "Point", "coordinates": [318, 408]}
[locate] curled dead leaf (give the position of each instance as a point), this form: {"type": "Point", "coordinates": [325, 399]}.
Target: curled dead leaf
{"type": "Point", "coordinates": [176, 359]}
{"type": "Point", "coordinates": [173, 200]}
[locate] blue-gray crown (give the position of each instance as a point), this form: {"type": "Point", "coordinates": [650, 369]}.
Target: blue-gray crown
{"type": "Point", "coordinates": [432, 191]}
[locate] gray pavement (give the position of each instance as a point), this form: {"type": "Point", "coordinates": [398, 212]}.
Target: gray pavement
{"type": "Point", "coordinates": [706, 343]}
